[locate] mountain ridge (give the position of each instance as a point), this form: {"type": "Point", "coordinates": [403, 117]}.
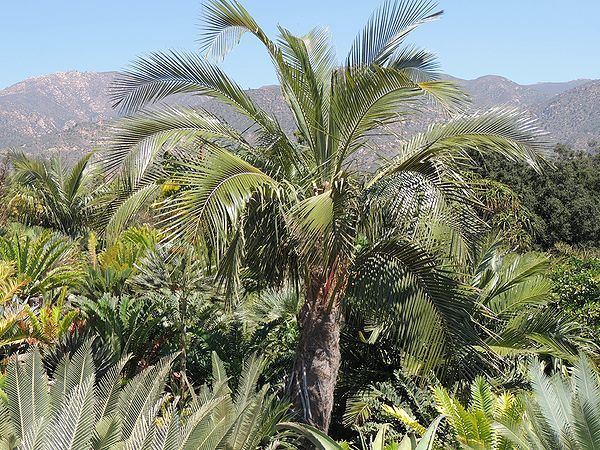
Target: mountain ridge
{"type": "Point", "coordinates": [66, 112]}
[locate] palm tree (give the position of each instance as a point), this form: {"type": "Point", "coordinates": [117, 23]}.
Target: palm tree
{"type": "Point", "coordinates": [300, 209]}
{"type": "Point", "coordinates": [48, 193]}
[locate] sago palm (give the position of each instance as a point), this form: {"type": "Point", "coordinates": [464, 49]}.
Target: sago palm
{"type": "Point", "coordinates": [300, 208]}
{"type": "Point", "coordinates": [51, 194]}
{"type": "Point", "coordinates": [42, 263]}
{"type": "Point", "coordinates": [561, 413]}
{"type": "Point", "coordinates": [77, 409]}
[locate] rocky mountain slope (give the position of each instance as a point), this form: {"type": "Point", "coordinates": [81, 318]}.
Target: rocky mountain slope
{"type": "Point", "coordinates": [66, 113]}
{"type": "Point", "coordinates": [574, 115]}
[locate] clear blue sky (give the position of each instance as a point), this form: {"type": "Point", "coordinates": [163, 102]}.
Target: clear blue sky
{"type": "Point", "coordinates": [525, 40]}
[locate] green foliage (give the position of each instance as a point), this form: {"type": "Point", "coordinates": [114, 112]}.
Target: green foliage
{"type": "Point", "coordinates": [129, 326]}
{"type": "Point", "coordinates": [22, 325]}
{"type": "Point", "coordinates": [261, 235]}
{"type": "Point", "coordinates": [79, 410]}
{"type": "Point", "coordinates": [577, 284]}
{"type": "Point", "coordinates": [516, 308]}
{"type": "Point", "coordinates": [42, 263]}
{"type": "Point", "coordinates": [4, 188]}
{"type": "Point", "coordinates": [475, 427]}
{"type": "Point", "coordinates": [321, 441]}
{"type": "Point", "coordinates": [9, 283]}
{"type": "Point", "coordinates": [11, 329]}
{"type": "Point", "coordinates": [506, 215]}
{"type": "Point", "coordinates": [111, 269]}
{"type": "Point", "coordinates": [47, 193]}
{"type": "Point", "coordinates": [380, 403]}
{"type": "Point", "coordinates": [560, 413]}
{"type": "Point", "coordinates": [562, 201]}
{"type": "Point", "coordinates": [299, 201]}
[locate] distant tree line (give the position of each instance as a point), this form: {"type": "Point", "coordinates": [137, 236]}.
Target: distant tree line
{"type": "Point", "coordinates": [563, 202]}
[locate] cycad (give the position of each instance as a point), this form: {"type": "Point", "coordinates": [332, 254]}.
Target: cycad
{"type": "Point", "coordinates": [48, 193]}
{"type": "Point", "coordinates": [321, 441]}
{"type": "Point", "coordinates": [12, 316]}
{"type": "Point", "coordinates": [179, 280]}
{"type": "Point", "coordinates": [515, 307]}
{"type": "Point", "coordinates": [78, 411]}
{"type": "Point", "coordinates": [297, 208]}
{"type": "Point", "coordinates": [43, 263]}
{"type": "Point", "coordinates": [9, 283]}
{"type": "Point", "coordinates": [561, 413]}
{"type": "Point", "coordinates": [475, 426]}
{"type": "Point", "coordinates": [43, 325]}
{"type": "Point", "coordinates": [111, 269]}
{"type": "Point", "coordinates": [127, 325]}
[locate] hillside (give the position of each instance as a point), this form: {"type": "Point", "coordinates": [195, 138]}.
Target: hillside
{"type": "Point", "coordinates": [65, 113]}
{"type": "Point", "coordinates": [574, 115]}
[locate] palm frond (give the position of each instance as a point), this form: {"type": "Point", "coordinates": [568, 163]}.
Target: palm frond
{"type": "Point", "coordinates": [213, 195]}
{"type": "Point", "coordinates": [422, 308]}
{"type": "Point", "coordinates": [224, 24]}
{"type": "Point", "coordinates": [168, 126]}
{"type": "Point", "coordinates": [367, 99]}
{"type": "Point", "coordinates": [506, 132]}
{"type": "Point", "coordinates": [387, 29]}
{"type": "Point", "coordinates": [124, 213]}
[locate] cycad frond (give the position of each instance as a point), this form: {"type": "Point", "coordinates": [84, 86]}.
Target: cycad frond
{"type": "Point", "coordinates": [124, 214]}
{"type": "Point", "coordinates": [27, 392]}
{"type": "Point", "coordinates": [44, 263]}
{"type": "Point", "coordinates": [71, 373]}
{"type": "Point", "coordinates": [560, 414]}
{"type": "Point", "coordinates": [481, 397]}
{"type": "Point", "coordinates": [74, 422]}
{"type": "Point", "coordinates": [105, 413]}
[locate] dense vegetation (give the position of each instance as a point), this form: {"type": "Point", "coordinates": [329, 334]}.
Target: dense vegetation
{"type": "Point", "coordinates": [561, 203]}
{"type": "Point", "coordinates": [195, 286]}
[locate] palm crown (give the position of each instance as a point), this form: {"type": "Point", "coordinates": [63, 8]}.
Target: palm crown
{"type": "Point", "coordinates": [298, 207]}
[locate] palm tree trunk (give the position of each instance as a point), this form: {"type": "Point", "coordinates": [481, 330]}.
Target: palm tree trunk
{"type": "Point", "coordinates": [314, 375]}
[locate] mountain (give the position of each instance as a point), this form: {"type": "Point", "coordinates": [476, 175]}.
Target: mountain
{"type": "Point", "coordinates": [63, 111]}
{"type": "Point", "coordinates": [574, 115]}
{"type": "Point", "coordinates": [67, 113]}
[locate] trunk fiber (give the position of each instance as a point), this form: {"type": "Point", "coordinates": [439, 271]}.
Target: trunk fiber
{"type": "Point", "coordinates": [314, 376]}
